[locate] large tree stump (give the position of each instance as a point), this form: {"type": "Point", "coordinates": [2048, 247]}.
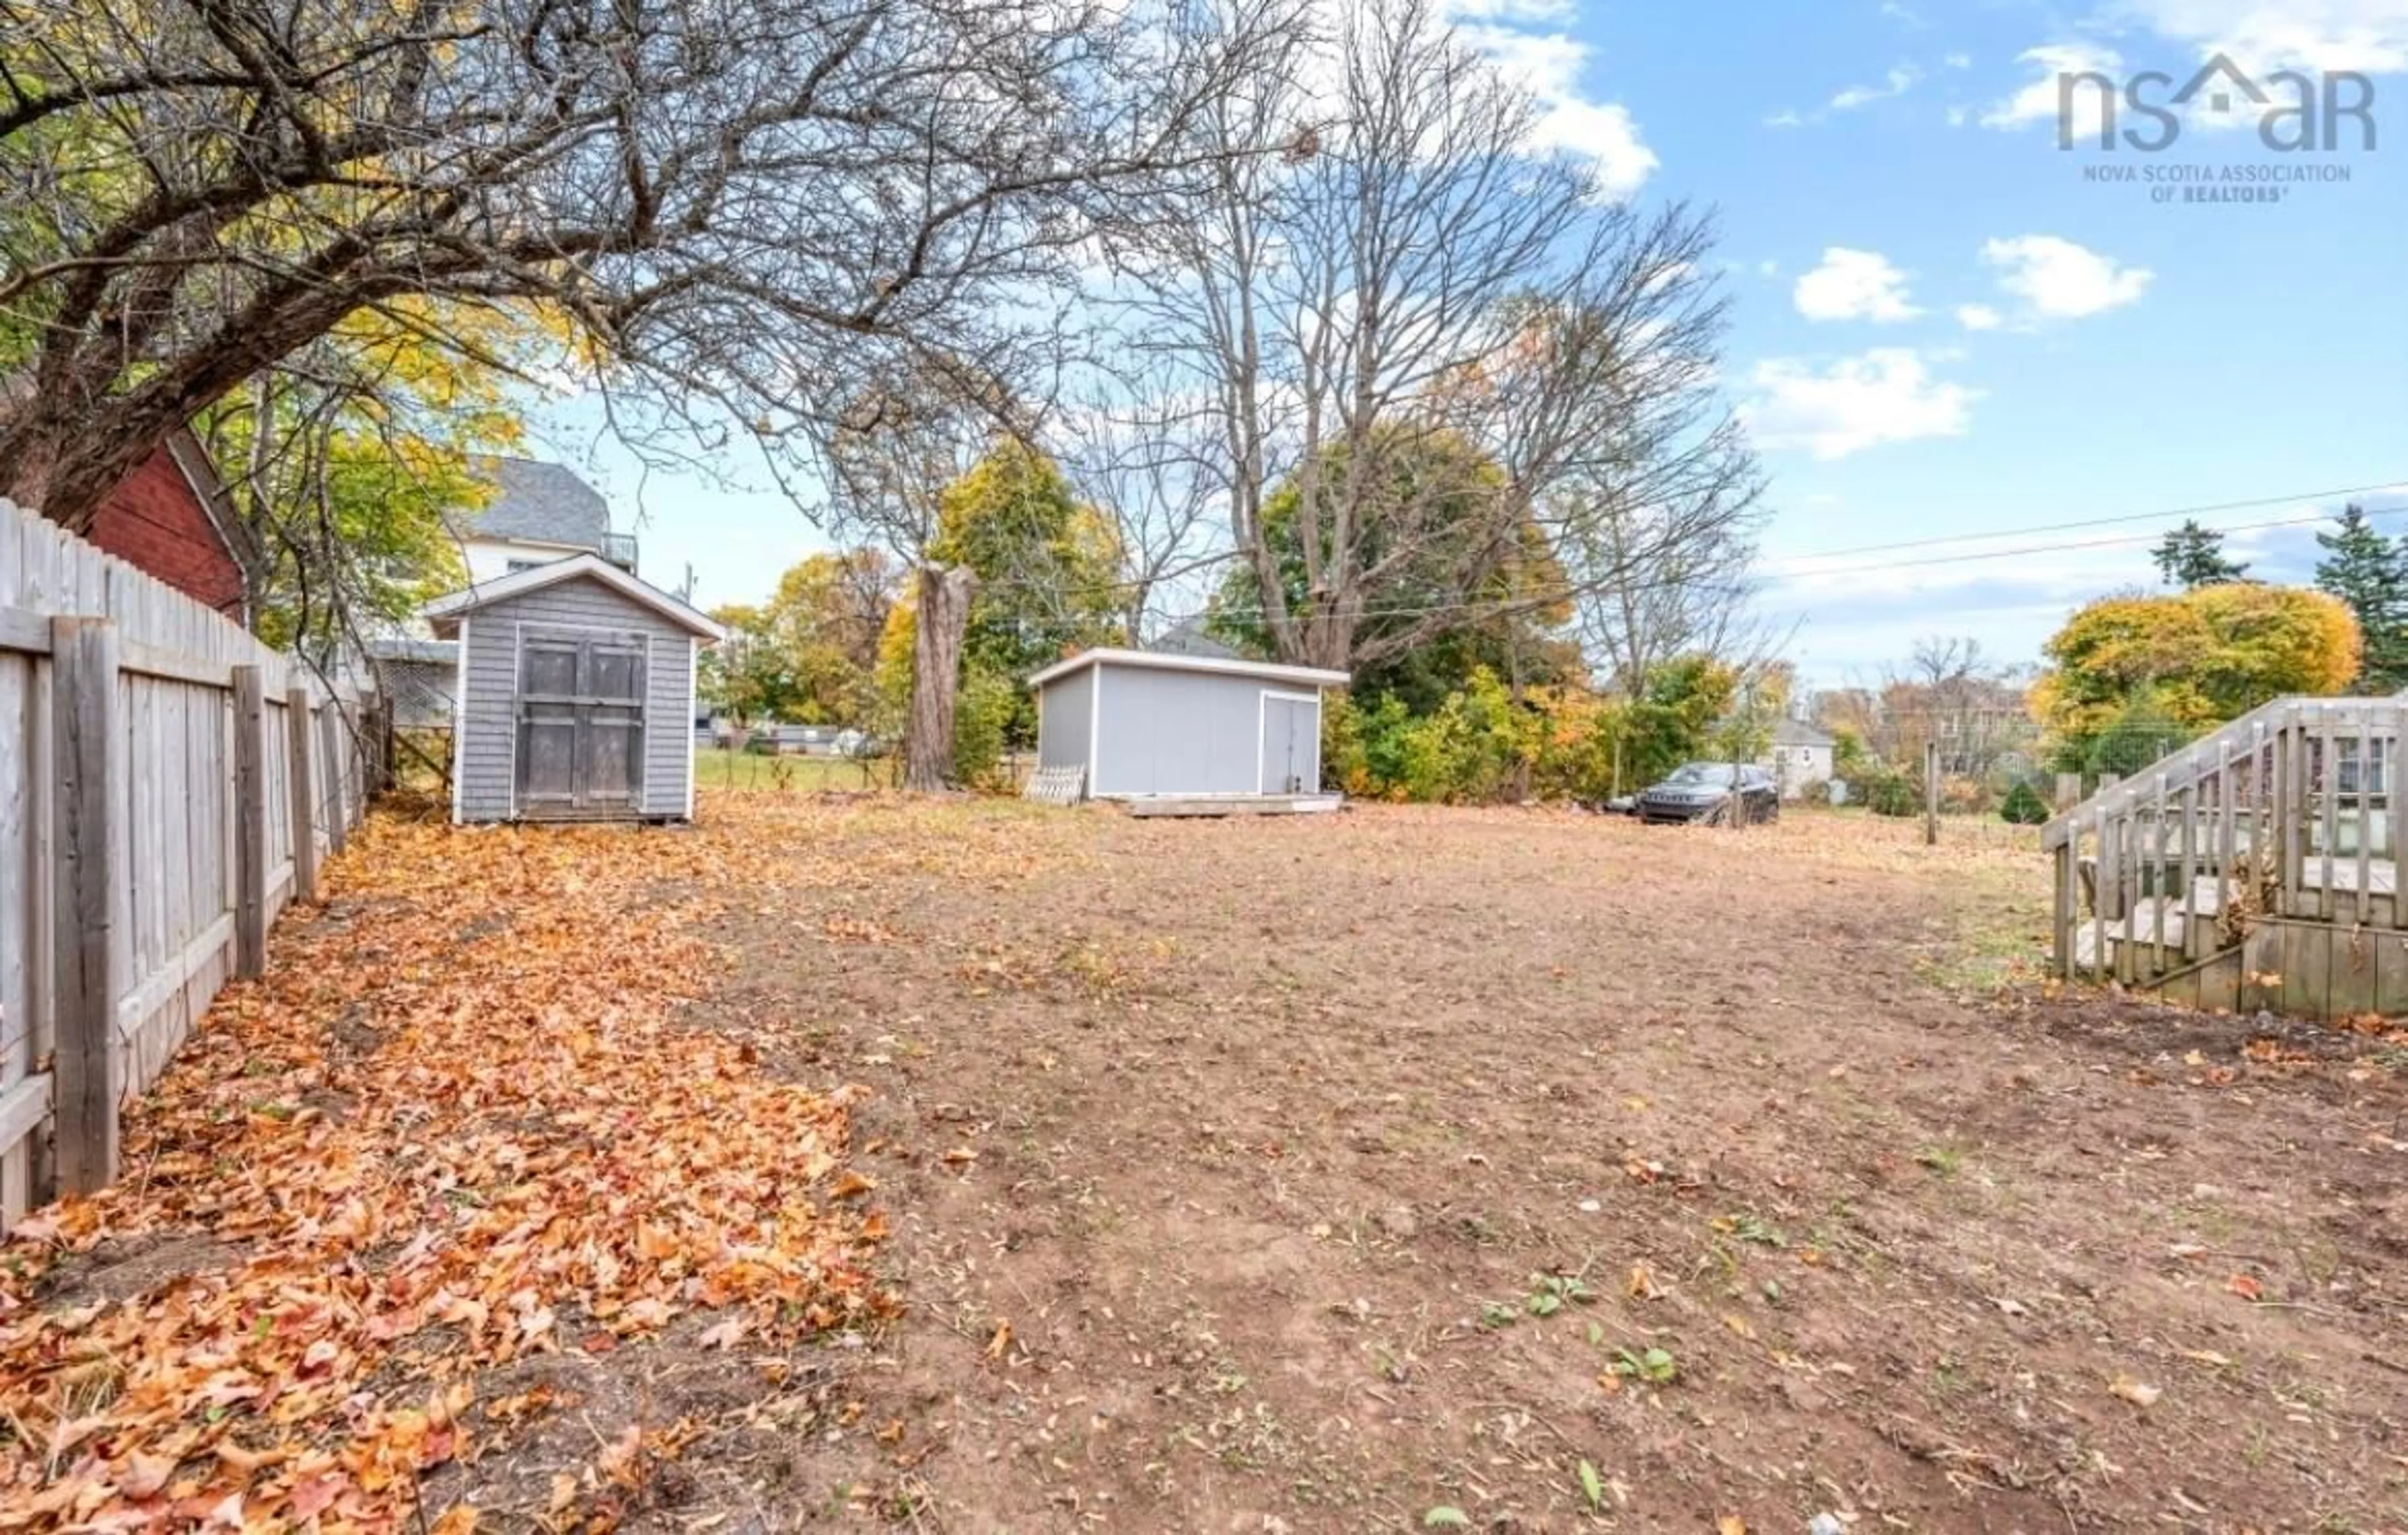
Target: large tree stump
{"type": "Point", "coordinates": [945, 592]}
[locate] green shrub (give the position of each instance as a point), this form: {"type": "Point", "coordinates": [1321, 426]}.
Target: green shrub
{"type": "Point", "coordinates": [2024, 806]}
{"type": "Point", "coordinates": [1477, 748]}
{"type": "Point", "coordinates": [1886, 791]}
{"type": "Point", "coordinates": [982, 716]}
{"type": "Point", "coordinates": [1482, 744]}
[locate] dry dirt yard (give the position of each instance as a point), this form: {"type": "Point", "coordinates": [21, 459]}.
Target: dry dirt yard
{"type": "Point", "coordinates": [981, 1167]}
{"type": "Point", "coordinates": [1370, 1170]}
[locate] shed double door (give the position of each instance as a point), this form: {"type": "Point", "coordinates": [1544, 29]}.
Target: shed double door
{"type": "Point", "coordinates": [581, 724]}
{"type": "Point", "coordinates": [1291, 744]}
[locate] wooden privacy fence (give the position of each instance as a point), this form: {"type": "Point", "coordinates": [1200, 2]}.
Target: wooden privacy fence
{"type": "Point", "coordinates": [167, 784]}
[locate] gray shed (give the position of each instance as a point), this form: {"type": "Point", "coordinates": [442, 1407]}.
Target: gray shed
{"type": "Point", "coordinates": [1144, 725]}
{"type": "Point", "coordinates": [575, 697]}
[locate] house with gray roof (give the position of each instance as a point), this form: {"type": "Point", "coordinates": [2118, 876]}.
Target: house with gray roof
{"type": "Point", "coordinates": [540, 512]}
{"type": "Point", "coordinates": [1799, 754]}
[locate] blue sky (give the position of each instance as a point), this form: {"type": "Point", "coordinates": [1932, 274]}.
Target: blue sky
{"type": "Point", "coordinates": [1942, 327]}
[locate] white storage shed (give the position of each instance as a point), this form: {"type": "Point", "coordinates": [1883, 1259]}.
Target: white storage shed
{"type": "Point", "coordinates": [1144, 725]}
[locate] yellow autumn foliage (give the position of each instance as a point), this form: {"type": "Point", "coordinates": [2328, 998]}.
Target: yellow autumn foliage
{"type": "Point", "coordinates": [2201, 657]}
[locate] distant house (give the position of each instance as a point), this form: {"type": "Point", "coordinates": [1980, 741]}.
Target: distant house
{"type": "Point", "coordinates": [1799, 754]}
{"type": "Point", "coordinates": [1188, 636]}
{"type": "Point", "coordinates": [172, 518]}
{"type": "Point", "coordinates": [540, 513]}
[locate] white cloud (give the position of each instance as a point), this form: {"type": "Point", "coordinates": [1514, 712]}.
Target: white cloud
{"type": "Point", "coordinates": [2258, 35]}
{"type": "Point", "coordinates": [1978, 317]}
{"type": "Point", "coordinates": [2370, 35]}
{"type": "Point", "coordinates": [2038, 102]}
{"type": "Point", "coordinates": [1902, 14]}
{"type": "Point", "coordinates": [1511, 12]}
{"type": "Point", "coordinates": [1886, 394]}
{"type": "Point", "coordinates": [1959, 116]}
{"type": "Point", "coordinates": [1548, 64]}
{"type": "Point", "coordinates": [2057, 280]}
{"type": "Point", "coordinates": [1854, 285]}
{"type": "Point", "coordinates": [1784, 119]}
{"type": "Point", "coordinates": [1665, 275]}
{"type": "Point", "coordinates": [1958, 61]}
{"type": "Point", "coordinates": [1897, 82]}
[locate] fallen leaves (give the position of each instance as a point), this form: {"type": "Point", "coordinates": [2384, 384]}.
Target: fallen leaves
{"type": "Point", "coordinates": [456, 1124]}
{"type": "Point", "coordinates": [2133, 1391]}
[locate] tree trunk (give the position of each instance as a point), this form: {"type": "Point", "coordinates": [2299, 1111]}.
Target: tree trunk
{"type": "Point", "coordinates": [944, 613]}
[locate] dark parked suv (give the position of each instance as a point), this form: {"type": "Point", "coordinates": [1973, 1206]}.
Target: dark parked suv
{"type": "Point", "coordinates": [1701, 791]}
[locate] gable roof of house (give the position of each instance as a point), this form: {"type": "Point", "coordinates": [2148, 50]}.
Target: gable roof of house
{"type": "Point", "coordinates": [1188, 638]}
{"type": "Point", "coordinates": [200, 471]}
{"type": "Point", "coordinates": [445, 612]}
{"type": "Point", "coordinates": [1224, 665]}
{"type": "Point", "coordinates": [1799, 733]}
{"type": "Point", "coordinates": [537, 503]}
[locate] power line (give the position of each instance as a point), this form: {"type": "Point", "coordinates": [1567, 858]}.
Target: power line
{"type": "Point", "coordinates": [2203, 510]}
{"type": "Point", "coordinates": [2081, 543]}
{"type": "Point", "coordinates": [1568, 594]}
{"type": "Point", "coordinates": [1572, 592]}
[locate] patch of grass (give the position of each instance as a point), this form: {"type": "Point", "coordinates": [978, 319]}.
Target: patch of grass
{"type": "Point", "coordinates": [1749, 1228]}
{"type": "Point", "coordinates": [1654, 1366]}
{"type": "Point", "coordinates": [1948, 1378]}
{"type": "Point", "coordinates": [718, 769]}
{"type": "Point", "coordinates": [1941, 1159]}
{"type": "Point", "coordinates": [1550, 1293]}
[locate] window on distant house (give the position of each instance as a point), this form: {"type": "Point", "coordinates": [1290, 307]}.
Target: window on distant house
{"type": "Point", "coordinates": [513, 567]}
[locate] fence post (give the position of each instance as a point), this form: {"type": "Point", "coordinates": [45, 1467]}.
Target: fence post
{"type": "Point", "coordinates": [249, 823]}
{"type": "Point", "coordinates": [380, 713]}
{"type": "Point", "coordinates": [338, 777]}
{"type": "Point", "coordinates": [87, 740]}
{"type": "Point", "coordinates": [1931, 794]}
{"type": "Point", "coordinates": [302, 786]}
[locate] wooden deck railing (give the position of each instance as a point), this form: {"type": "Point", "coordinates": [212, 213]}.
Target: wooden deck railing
{"type": "Point", "coordinates": [2277, 814]}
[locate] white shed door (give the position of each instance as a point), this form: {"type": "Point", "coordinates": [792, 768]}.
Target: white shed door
{"type": "Point", "coordinates": [1291, 743]}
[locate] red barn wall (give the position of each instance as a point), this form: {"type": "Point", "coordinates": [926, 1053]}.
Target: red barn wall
{"type": "Point", "coordinates": [156, 521]}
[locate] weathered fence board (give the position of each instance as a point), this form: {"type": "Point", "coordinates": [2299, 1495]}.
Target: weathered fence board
{"type": "Point", "coordinates": [119, 843]}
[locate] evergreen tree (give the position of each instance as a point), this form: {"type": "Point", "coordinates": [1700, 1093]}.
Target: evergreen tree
{"type": "Point", "coordinates": [2370, 573]}
{"type": "Point", "coordinates": [2192, 556]}
{"type": "Point", "coordinates": [2024, 806]}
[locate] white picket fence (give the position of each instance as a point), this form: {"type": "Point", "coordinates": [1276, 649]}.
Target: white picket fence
{"type": "Point", "coordinates": [167, 784]}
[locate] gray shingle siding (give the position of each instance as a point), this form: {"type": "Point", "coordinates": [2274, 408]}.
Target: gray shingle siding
{"type": "Point", "coordinates": [488, 733]}
{"type": "Point", "coordinates": [669, 721]}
